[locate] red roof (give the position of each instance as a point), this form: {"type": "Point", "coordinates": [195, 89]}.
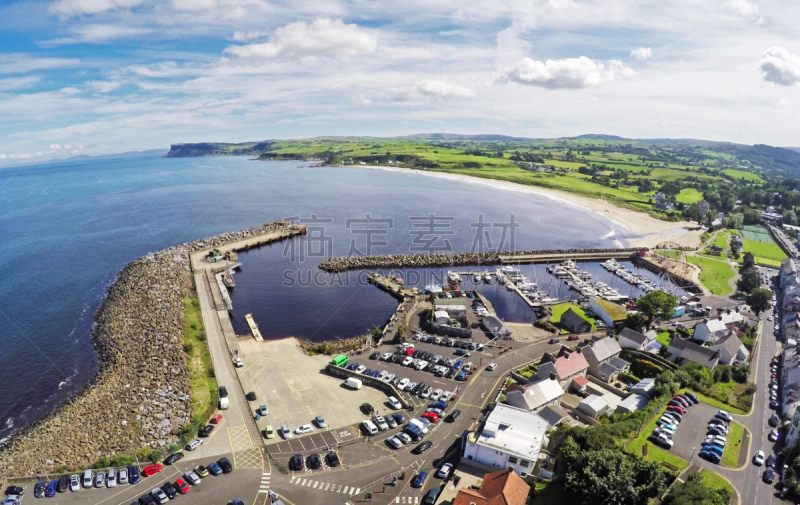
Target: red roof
{"type": "Point", "coordinates": [499, 488]}
{"type": "Point", "coordinates": [570, 364]}
{"type": "Point", "coordinates": [581, 381]}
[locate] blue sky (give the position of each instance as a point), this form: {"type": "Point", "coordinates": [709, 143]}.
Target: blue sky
{"type": "Point", "coordinates": [105, 76]}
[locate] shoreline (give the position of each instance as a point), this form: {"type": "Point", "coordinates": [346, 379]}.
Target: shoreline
{"type": "Point", "coordinates": [649, 231]}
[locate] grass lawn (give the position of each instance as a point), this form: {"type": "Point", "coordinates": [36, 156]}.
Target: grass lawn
{"type": "Point", "coordinates": [689, 196]}
{"type": "Point", "coordinates": [714, 481]}
{"type": "Point", "coordinates": [201, 370]}
{"type": "Point", "coordinates": [741, 174]}
{"type": "Point", "coordinates": [670, 253]}
{"type": "Point", "coordinates": [730, 454]}
{"type": "Point", "coordinates": [763, 250]}
{"type": "Point", "coordinates": [714, 402]}
{"type": "Point", "coordinates": [663, 338]}
{"type": "Point", "coordinates": [559, 309]}
{"type": "Point", "coordinates": [714, 274]}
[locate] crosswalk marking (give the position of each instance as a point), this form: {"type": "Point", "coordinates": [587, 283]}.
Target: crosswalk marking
{"type": "Point", "coordinates": [345, 489]}
{"type": "Point", "coordinates": [318, 485]}
{"type": "Point", "coordinates": [407, 499]}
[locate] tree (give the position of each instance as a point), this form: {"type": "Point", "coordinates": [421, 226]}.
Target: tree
{"type": "Point", "coordinates": [759, 299]}
{"type": "Point", "coordinates": [657, 304]}
{"type": "Point", "coordinates": [748, 261]}
{"type": "Point", "coordinates": [711, 215]}
{"type": "Point", "coordinates": [692, 213]}
{"type": "Point", "coordinates": [789, 217]}
{"type": "Point", "coordinates": [634, 321]}
{"type": "Point", "coordinates": [734, 221]}
{"type": "Point", "coordinates": [749, 281]}
{"type": "Point", "coordinates": [696, 492]}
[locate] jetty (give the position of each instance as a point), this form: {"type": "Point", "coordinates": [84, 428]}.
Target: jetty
{"type": "Point", "coordinates": [253, 327]}
{"type": "Point", "coordinates": [558, 257]}
{"type": "Point", "coordinates": [392, 286]}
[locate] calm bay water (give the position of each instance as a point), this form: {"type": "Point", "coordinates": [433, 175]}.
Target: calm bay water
{"type": "Point", "coordinates": [68, 229]}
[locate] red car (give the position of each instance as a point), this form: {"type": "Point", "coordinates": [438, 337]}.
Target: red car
{"type": "Point", "coordinates": [182, 486]}
{"type": "Point", "coordinates": [681, 401]}
{"type": "Point", "coordinates": [152, 469]}
{"type": "Point", "coordinates": [431, 416]}
{"type": "Point", "coordinates": [409, 351]}
{"type": "Point", "coordinates": [673, 408]}
{"type": "Point", "coordinates": [216, 419]}
{"type": "Point", "coordinates": [572, 337]}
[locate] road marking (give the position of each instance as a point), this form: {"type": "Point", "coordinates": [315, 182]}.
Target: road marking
{"type": "Point", "coordinates": [302, 483]}
{"type": "Point", "coordinates": [345, 489]}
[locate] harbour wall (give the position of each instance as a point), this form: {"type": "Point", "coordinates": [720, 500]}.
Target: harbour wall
{"type": "Point", "coordinates": [141, 396]}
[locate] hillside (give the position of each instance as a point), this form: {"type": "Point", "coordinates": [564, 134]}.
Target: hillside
{"type": "Point", "coordinates": [216, 149]}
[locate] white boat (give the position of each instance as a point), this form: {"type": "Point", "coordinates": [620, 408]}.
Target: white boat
{"type": "Point", "coordinates": [487, 277]}
{"type": "Point", "coordinates": [476, 277]}
{"type": "Point", "coordinates": [508, 269]}
{"type": "Point", "coordinates": [453, 277]}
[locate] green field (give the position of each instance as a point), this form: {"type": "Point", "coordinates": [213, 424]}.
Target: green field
{"type": "Point", "coordinates": [670, 253]}
{"type": "Point", "coordinates": [689, 196]}
{"type": "Point", "coordinates": [714, 274]}
{"type": "Point", "coordinates": [763, 250]}
{"type": "Point", "coordinates": [730, 454]}
{"type": "Point", "coordinates": [741, 174]}
{"type": "Point", "coordinates": [201, 370]}
{"type": "Point", "coordinates": [756, 233]}
{"type": "Point", "coordinates": [559, 309]}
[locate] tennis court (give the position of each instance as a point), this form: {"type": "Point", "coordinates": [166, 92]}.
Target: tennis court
{"type": "Point", "coordinates": [757, 233]}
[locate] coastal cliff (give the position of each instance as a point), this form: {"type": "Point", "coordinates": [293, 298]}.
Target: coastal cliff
{"type": "Point", "coordinates": [141, 397]}
{"type": "Point", "coordinates": [217, 149]}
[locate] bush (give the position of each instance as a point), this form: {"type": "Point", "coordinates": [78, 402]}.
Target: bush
{"type": "Point", "coordinates": [645, 368]}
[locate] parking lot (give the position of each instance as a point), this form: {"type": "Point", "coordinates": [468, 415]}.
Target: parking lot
{"type": "Point", "coordinates": [691, 431]}
{"type": "Point", "coordinates": [241, 483]}
{"type": "Point", "coordinates": [295, 390]}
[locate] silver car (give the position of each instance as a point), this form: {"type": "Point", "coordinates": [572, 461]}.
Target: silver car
{"type": "Point", "coordinates": [100, 479]}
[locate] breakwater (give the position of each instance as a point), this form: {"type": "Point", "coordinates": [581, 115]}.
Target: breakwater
{"type": "Point", "coordinates": [141, 397]}
{"type": "Point", "coordinates": [341, 264]}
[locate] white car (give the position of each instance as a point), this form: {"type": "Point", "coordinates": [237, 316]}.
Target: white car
{"type": "Point", "coordinates": [386, 356]}
{"type": "Point", "coordinates": [285, 432]}
{"type": "Point", "coordinates": [769, 318]}
{"type": "Point", "coordinates": [491, 366]}
{"type": "Point", "coordinates": [758, 459]}
{"type": "Point", "coordinates": [380, 422]}
{"type": "Point", "coordinates": [111, 478]}
{"type": "Point", "coordinates": [122, 477]}
{"type": "Point", "coordinates": [446, 396]}
{"type": "Point", "coordinates": [402, 384]}
{"type": "Point", "coordinates": [724, 416]}
{"type": "Point", "coordinates": [394, 402]}
{"type": "Point", "coordinates": [422, 364]}
{"type": "Point", "coordinates": [361, 369]}
{"type": "Point", "coordinates": [437, 393]}
{"type": "Point", "coordinates": [410, 386]}
{"type": "Point", "coordinates": [444, 471]}
{"type": "Point", "coordinates": [302, 430]}
{"type": "Point", "coordinates": [407, 361]}
{"type": "Point", "coordinates": [75, 483]}
{"type": "Point", "coordinates": [388, 377]}
{"type": "Point", "coordinates": [773, 435]}
{"type": "Point", "coordinates": [403, 437]}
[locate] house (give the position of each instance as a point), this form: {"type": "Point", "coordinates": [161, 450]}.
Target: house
{"type": "Point", "coordinates": [553, 416]}
{"type": "Point", "coordinates": [632, 339]}
{"type": "Point", "coordinates": [566, 365]}
{"type": "Point", "coordinates": [511, 438]}
{"type": "Point", "coordinates": [643, 387]}
{"type": "Point", "coordinates": [503, 487]}
{"type": "Point", "coordinates": [660, 202]}
{"type": "Point", "coordinates": [709, 330]}
{"type": "Point", "coordinates": [604, 360]}
{"type": "Point", "coordinates": [631, 404]}
{"type": "Point", "coordinates": [441, 317]}
{"type": "Point", "coordinates": [574, 322]}
{"type": "Point", "coordinates": [793, 432]}
{"type": "Point", "coordinates": [455, 310]}
{"type": "Point", "coordinates": [496, 327]}
{"type": "Point", "coordinates": [609, 312]}
{"type": "Point", "coordinates": [535, 397]}
{"type": "Point", "coordinates": [593, 406]}
{"type": "Point", "coordinates": [704, 207]}
{"type": "Point", "coordinates": [683, 351]}
{"type": "Point", "coordinates": [731, 349]}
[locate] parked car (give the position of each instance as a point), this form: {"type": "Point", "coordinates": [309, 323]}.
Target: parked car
{"type": "Point", "coordinates": [182, 486]}
{"type": "Point", "coordinates": [725, 416]}
{"type": "Point", "coordinates": [296, 463]}
{"type": "Point", "coordinates": [38, 489]}
{"type": "Point", "coordinates": [758, 459]}
{"type": "Point", "coordinates": [314, 461]}
{"type": "Point", "coordinates": [152, 469]}
{"type": "Point", "coordinates": [774, 420]}
{"type": "Point", "coordinates": [133, 474]}
{"type": "Point", "coordinates": [169, 489]}
{"type": "Point", "coordinates": [192, 477]}
{"type": "Point", "coordinates": [50, 491]}
{"type": "Point", "coordinates": [424, 446]}
{"type": "Point", "coordinates": [332, 459]}
{"type": "Point", "coordinates": [206, 430]}
{"type": "Point", "coordinates": [419, 479]}
{"type": "Point", "coordinates": [99, 481]}
{"type": "Point", "coordinates": [367, 408]}
{"type": "Point", "coordinates": [444, 471]}
{"type": "Point", "coordinates": [173, 458]}
{"type": "Point", "coordinates": [394, 443]}
{"type": "Point", "coordinates": [202, 471]}
{"type": "Point", "coordinates": [159, 495]}
{"type": "Point", "coordinates": [773, 435]}
{"type": "Point", "coordinates": [214, 469]}
{"type": "Point", "coordinates": [122, 476]}
{"type": "Point", "coordinates": [285, 432]}
{"type": "Point", "coordinates": [769, 476]}
{"type": "Point", "coordinates": [320, 422]}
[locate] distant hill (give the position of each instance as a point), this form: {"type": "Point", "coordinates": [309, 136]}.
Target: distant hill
{"type": "Point", "coordinates": [217, 149]}
{"type": "Point", "coordinates": [130, 154]}
{"type": "Point", "coordinates": [456, 136]}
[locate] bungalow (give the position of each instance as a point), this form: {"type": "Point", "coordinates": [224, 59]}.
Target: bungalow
{"type": "Point", "coordinates": [593, 406]}
{"type": "Point", "coordinates": [631, 404]}
{"type": "Point", "coordinates": [535, 397]}
{"type": "Point", "coordinates": [566, 365]}
{"type": "Point", "coordinates": [643, 387]}
{"type": "Point", "coordinates": [632, 339]}
{"type": "Point", "coordinates": [604, 360]}
{"type": "Point", "coordinates": [573, 322]}
{"type": "Point", "coordinates": [731, 349]}
{"type": "Point", "coordinates": [682, 351]}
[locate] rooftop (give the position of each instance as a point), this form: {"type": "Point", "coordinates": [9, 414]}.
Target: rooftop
{"type": "Point", "coordinates": [514, 430]}
{"type": "Point", "coordinates": [614, 311]}
{"type": "Point", "coordinates": [603, 348]}
{"type": "Point", "coordinates": [633, 335]}
{"type": "Point", "coordinates": [498, 488]}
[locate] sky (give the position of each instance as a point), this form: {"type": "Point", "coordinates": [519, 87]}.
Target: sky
{"type": "Point", "coordinates": [108, 76]}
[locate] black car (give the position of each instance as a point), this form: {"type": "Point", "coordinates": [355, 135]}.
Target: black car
{"type": "Point", "coordinates": [774, 405]}
{"type": "Point", "coordinates": [691, 396]}
{"type": "Point", "coordinates": [172, 458]}
{"type": "Point", "coordinates": [460, 352]}
{"type": "Point", "coordinates": [15, 490]}
{"type": "Point", "coordinates": [170, 490]}
{"type": "Point", "coordinates": [374, 355]}
{"type": "Point", "coordinates": [296, 463]}
{"type": "Point", "coordinates": [769, 475]}
{"type": "Point", "coordinates": [38, 489]}
{"type": "Point", "coordinates": [417, 388]}
{"type": "Point", "coordinates": [205, 431]}
{"type": "Point", "coordinates": [314, 461]}
{"type": "Point", "coordinates": [146, 500]}
{"type": "Point", "coordinates": [774, 420]}
{"type": "Point", "coordinates": [251, 396]}
{"type": "Point", "coordinates": [450, 373]}
{"type": "Point", "coordinates": [225, 465]}
{"type": "Point", "coordinates": [424, 446]}
{"type": "Point", "coordinates": [552, 341]}
{"type": "Point", "coordinates": [63, 484]}
{"type": "Point", "coordinates": [452, 416]}
{"type": "Point", "coordinates": [223, 392]}
{"type": "Point", "coordinates": [333, 459]}
{"type": "Point", "coordinates": [771, 460]}
{"type": "Point", "coordinates": [367, 408]}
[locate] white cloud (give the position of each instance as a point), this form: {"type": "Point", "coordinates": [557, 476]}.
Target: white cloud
{"type": "Point", "coordinates": [744, 8]}
{"type": "Point", "coordinates": [97, 34]}
{"type": "Point", "coordinates": [321, 37]}
{"type": "Point", "coordinates": [642, 53]}
{"type": "Point", "coordinates": [79, 7]}
{"type": "Point", "coordinates": [430, 89]}
{"type": "Point", "coordinates": [780, 66]}
{"type": "Point", "coordinates": [250, 35]}
{"type": "Point", "coordinates": [14, 63]}
{"type": "Point", "coordinates": [18, 82]}
{"type": "Point", "coordinates": [569, 73]}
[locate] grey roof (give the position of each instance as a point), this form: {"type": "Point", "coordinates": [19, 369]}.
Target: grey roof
{"type": "Point", "coordinates": [730, 342]}
{"type": "Point", "coordinates": [634, 335]}
{"type": "Point", "coordinates": [571, 319]}
{"type": "Point", "coordinates": [690, 351]}
{"type": "Point", "coordinates": [552, 416]}
{"type": "Point", "coordinates": [603, 348]}
{"type": "Point", "coordinates": [607, 369]}
{"type": "Point", "coordinates": [619, 362]}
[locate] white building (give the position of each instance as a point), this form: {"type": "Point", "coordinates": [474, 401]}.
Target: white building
{"type": "Point", "coordinates": [593, 406]}
{"type": "Point", "coordinates": [710, 330]}
{"type": "Point", "coordinates": [511, 438]}
{"type": "Point", "coordinates": [441, 317]}
{"type": "Point", "coordinates": [534, 397]}
{"type": "Point", "coordinates": [453, 310]}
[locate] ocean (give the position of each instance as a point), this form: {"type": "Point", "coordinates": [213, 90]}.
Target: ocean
{"type": "Point", "coordinates": [68, 229]}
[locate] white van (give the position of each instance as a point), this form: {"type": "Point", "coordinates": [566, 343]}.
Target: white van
{"type": "Point", "coordinates": [369, 427]}
{"type": "Point", "coordinates": [354, 383]}
{"type": "Point", "coordinates": [419, 424]}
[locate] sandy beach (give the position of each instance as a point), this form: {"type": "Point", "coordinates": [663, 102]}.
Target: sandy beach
{"type": "Point", "coordinates": [649, 230]}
